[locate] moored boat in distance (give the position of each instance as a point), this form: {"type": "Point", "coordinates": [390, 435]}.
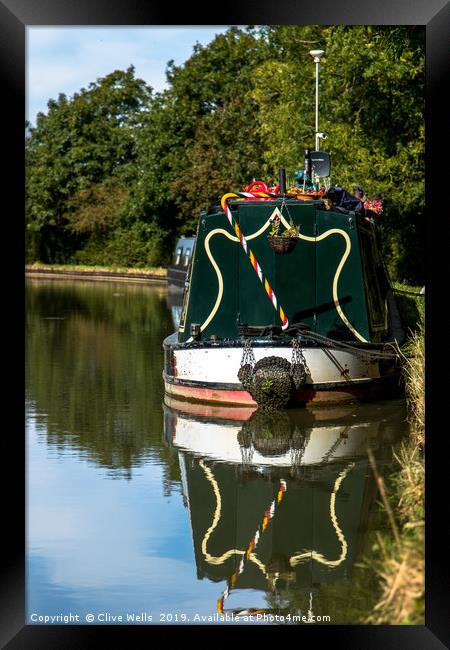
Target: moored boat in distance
{"type": "Point", "coordinates": [177, 271]}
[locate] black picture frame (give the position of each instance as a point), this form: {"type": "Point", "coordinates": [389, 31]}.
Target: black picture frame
{"type": "Point", "coordinates": [15, 16]}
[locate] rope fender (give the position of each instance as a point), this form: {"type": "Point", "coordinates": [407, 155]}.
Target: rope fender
{"type": "Point", "coordinates": [272, 380]}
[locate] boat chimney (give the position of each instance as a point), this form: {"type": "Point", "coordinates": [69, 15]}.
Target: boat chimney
{"type": "Point", "coordinates": [307, 169]}
{"type": "Point", "coordinates": [282, 181]}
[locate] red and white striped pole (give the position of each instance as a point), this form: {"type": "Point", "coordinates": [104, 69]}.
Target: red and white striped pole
{"type": "Point", "coordinates": [254, 262]}
{"type": "Point", "coordinates": [268, 515]}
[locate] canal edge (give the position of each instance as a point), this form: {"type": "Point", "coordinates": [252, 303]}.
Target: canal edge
{"type": "Point", "coordinates": [31, 272]}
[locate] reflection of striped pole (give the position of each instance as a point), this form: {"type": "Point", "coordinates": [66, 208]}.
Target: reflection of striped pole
{"type": "Point", "coordinates": [249, 252]}
{"type": "Point", "coordinates": [268, 515]}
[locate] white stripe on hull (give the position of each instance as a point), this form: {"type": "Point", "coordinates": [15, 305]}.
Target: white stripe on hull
{"type": "Point", "coordinates": [221, 365]}
{"type": "Point", "coordinates": [219, 441]}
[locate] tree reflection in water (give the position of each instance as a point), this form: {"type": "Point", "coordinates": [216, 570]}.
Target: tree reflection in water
{"type": "Point", "coordinates": [94, 363]}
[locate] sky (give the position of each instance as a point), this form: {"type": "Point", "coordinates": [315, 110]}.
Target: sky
{"type": "Point", "coordinates": [66, 59]}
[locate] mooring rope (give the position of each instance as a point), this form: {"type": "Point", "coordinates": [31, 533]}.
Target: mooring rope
{"type": "Point", "coordinates": [325, 340]}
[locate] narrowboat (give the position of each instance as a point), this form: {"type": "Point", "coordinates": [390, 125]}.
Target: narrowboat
{"type": "Point", "coordinates": [279, 327]}
{"type": "Point", "coordinates": [177, 271]}
{"type": "Point", "coordinates": [287, 300]}
{"type": "Point", "coordinates": [177, 275]}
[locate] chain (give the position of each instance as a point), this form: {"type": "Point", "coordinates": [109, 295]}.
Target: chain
{"type": "Point", "coordinates": [299, 369]}
{"type": "Point", "coordinates": [298, 357]}
{"type": "Point", "coordinates": [332, 449]}
{"type": "Point", "coordinates": [245, 374]}
{"type": "Point", "coordinates": [247, 455]}
{"type": "Point", "coordinates": [310, 610]}
{"type": "Point", "coordinates": [298, 446]}
{"type": "Point", "coordinates": [296, 352]}
{"type": "Point", "coordinates": [248, 356]}
{"type": "Point", "coordinates": [284, 205]}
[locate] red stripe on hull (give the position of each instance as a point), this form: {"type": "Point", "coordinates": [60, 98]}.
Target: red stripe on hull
{"type": "Point", "coordinates": [214, 395]}
{"type": "Point", "coordinates": [200, 409]}
{"type": "Point", "coordinates": [307, 395]}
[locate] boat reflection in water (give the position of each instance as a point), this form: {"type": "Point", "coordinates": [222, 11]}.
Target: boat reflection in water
{"type": "Point", "coordinates": [279, 504]}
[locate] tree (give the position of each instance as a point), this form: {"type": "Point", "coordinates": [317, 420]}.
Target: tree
{"type": "Point", "coordinates": [75, 147]}
{"type": "Point", "coordinates": [200, 138]}
{"type": "Point", "coordinates": [376, 99]}
{"type": "Point", "coordinates": [371, 106]}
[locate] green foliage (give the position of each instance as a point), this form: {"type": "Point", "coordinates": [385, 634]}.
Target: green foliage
{"type": "Point", "coordinates": [116, 155]}
{"type": "Point", "coordinates": [372, 108]}
{"type": "Point", "coordinates": [376, 132]}
{"type": "Point", "coordinates": [80, 143]}
{"type": "Point", "coordinates": [140, 245]}
{"type": "Point", "coordinates": [107, 408]}
{"type": "Point", "coordinates": [411, 306]}
{"type": "Point", "coordinates": [96, 208]}
{"type": "Point", "coordinates": [200, 138]}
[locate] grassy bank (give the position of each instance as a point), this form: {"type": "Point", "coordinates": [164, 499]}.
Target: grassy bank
{"type": "Point", "coordinates": [150, 271]}
{"type": "Point", "coordinates": [399, 558]}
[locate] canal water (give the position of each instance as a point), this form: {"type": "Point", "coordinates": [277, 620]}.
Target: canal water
{"type": "Point", "coordinates": [146, 511]}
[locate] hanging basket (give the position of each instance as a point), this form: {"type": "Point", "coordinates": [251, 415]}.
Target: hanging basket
{"type": "Point", "coordinates": [281, 244]}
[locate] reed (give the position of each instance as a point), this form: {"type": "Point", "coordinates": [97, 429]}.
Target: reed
{"type": "Point", "coordinates": [414, 375]}
{"type": "Point", "coordinates": [400, 562]}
